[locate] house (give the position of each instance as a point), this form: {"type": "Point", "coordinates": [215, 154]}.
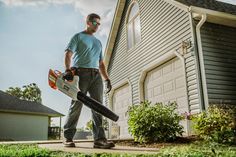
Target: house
{"type": "Point", "coordinates": [24, 120]}
{"type": "Point", "coordinates": [171, 50]}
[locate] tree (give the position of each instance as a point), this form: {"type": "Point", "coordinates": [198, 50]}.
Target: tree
{"type": "Point", "coordinates": [89, 125]}
{"type": "Point", "coordinates": [29, 92]}
{"type": "Point", "coordinates": [105, 124]}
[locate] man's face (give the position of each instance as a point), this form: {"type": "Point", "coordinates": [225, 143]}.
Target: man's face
{"type": "Point", "coordinates": [93, 24]}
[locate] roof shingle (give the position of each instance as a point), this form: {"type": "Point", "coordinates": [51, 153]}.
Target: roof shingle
{"type": "Point", "coordinates": [9, 103]}
{"type": "Point", "coordinates": [211, 4]}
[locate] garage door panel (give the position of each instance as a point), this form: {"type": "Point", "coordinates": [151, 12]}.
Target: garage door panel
{"type": "Point", "coordinates": [157, 90]}
{"type": "Point", "coordinates": [168, 86]}
{"type": "Point", "coordinates": [179, 82]}
{"type": "Point", "coordinates": [167, 69]}
{"type": "Point", "coordinates": [156, 74]}
{"type": "Point", "coordinates": [154, 83]}
{"type": "Point", "coordinates": [177, 64]}
{"type": "Point", "coordinates": [121, 101]}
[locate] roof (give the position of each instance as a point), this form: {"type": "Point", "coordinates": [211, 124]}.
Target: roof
{"type": "Point", "coordinates": [211, 4]}
{"type": "Point", "coordinates": [12, 104]}
{"type": "Point", "coordinates": [217, 12]}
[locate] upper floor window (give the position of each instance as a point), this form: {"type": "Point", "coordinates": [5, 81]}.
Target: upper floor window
{"type": "Point", "coordinates": [133, 25]}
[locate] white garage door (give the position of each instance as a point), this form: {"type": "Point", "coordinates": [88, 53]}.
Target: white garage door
{"type": "Point", "coordinates": [166, 83]}
{"type": "Point", "coordinates": [121, 101]}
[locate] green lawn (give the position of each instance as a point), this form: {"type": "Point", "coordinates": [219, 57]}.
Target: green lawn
{"type": "Point", "coordinates": [196, 149]}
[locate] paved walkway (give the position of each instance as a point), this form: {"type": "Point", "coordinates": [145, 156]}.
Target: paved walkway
{"type": "Point", "coordinates": [87, 147]}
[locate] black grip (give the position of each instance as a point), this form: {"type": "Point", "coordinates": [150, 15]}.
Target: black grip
{"type": "Point", "coordinates": [97, 106]}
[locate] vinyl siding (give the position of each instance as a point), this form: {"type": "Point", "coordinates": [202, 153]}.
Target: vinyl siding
{"type": "Point", "coordinates": [193, 91]}
{"type": "Point", "coordinates": [163, 28]}
{"type": "Point", "coordinates": [219, 52]}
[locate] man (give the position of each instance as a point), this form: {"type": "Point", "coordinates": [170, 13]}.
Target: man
{"type": "Point", "coordinates": [85, 50]}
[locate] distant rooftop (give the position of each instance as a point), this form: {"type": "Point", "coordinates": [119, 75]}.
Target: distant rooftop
{"type": "Point", "coordinates": [12, 104]}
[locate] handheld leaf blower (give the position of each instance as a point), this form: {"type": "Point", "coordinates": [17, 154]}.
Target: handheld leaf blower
{"type": "Point", "coordinates": [70, 88]}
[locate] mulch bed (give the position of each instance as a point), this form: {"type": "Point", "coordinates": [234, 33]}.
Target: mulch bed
{"type": "Point", "coordinates": [178, 141]}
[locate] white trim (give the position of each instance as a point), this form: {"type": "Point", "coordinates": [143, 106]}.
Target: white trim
{"type": "Point", "coordinates": [212, 12]}
{"type": "Point", "coordinates": [214, 16]}
{"type": "Point", "coordinates": [114, 30]}
{"type": "Point", "coordinates": [126, 25]}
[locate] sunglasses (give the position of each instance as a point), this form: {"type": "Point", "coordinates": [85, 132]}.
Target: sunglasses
{"type": "Point", "coordinates": [95, 23]}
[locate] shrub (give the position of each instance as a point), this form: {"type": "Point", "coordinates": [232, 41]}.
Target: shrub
{"type": "Point", "coordinates": [216, 124]}
{"type": "Point", "coordinates": [151, 123]}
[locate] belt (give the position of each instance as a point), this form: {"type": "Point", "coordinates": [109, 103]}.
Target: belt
{"type": "Point", "coordinates": [85, 69]}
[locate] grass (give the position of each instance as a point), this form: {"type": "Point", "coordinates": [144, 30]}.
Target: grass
{"type": "Point", "coordinates": [22, 150]}
{"type": "Point", "coordinates": [194, 149]}
{"type": "Point", "coordinates": [199, 149]}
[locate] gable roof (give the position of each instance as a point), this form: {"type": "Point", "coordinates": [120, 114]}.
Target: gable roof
{"type": "Point", "coordinates": [211, 4]}
{"type": "Point", "coordinates": [12, 104]}
{"type": "Point", "coordinates": [217, 12]}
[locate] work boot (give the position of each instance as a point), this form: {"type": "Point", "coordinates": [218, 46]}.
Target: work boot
{"type": "Point", "coordinates": [68, 143]}
{"type": "Point", "coordinates": [103, 143]}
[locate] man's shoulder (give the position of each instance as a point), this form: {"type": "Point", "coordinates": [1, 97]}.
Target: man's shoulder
{"type": "Point", "coordinates": [78, 34]}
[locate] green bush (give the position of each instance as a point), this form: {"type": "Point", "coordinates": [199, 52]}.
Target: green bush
{"type": "Point", "coordinates": [216, 124]}
{"type": "Point", "coordinates": [152, 123]}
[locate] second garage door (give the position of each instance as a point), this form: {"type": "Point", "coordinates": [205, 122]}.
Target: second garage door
{"type": "Point", "coordinates": [121, 101]}
{"type": "Point", "coordinates": [166, 83]}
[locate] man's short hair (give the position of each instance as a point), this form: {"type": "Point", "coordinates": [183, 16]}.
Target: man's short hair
{"type": "Point", "coordinates": [92, 16]}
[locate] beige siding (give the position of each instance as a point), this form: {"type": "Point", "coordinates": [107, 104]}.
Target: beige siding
{"type": "Point", "coordinates": [163, 28]}
{"type": "Point", "coordinates": [20, 127]}
{"type": "Point", "coordinates": [193, 91]}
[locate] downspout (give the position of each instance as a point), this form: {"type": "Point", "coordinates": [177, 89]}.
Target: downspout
{"type": "Point", "coordinates": [202, 67]}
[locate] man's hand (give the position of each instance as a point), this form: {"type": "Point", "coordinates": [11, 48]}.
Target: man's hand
{"type": "Point", "coordinates": [108, 85]}
{"type": "Point", "coordinates": [68, 75]}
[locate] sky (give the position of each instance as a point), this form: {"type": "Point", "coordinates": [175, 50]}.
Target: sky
{"type": "Point", "coordinates": [33, 37]}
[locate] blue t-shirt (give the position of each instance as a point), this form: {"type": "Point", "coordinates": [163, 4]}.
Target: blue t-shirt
{"type": "Point", "coordinates": [86, 49]}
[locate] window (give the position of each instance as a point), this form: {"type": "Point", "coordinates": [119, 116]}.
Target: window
{"type": "Point", "coordinates": [133, 26]}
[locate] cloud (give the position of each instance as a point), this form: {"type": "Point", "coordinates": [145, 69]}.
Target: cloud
{"type": "Point", "coordinates": [105, 8]}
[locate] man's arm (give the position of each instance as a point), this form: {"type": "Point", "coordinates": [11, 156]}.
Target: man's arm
{"type": "Point", "coordinates": [68, 55]}
{"type": "Point", "coordinates": [103, 70]}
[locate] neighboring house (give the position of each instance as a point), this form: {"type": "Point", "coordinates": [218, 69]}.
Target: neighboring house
{"type": "Point", "coordinates": [171, 50]}
{"type": "Point", "coordinates": [24, 120]}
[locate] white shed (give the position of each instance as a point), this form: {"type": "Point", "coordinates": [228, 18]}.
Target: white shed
{"type": "Point", "coordinates": [24, 120]}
